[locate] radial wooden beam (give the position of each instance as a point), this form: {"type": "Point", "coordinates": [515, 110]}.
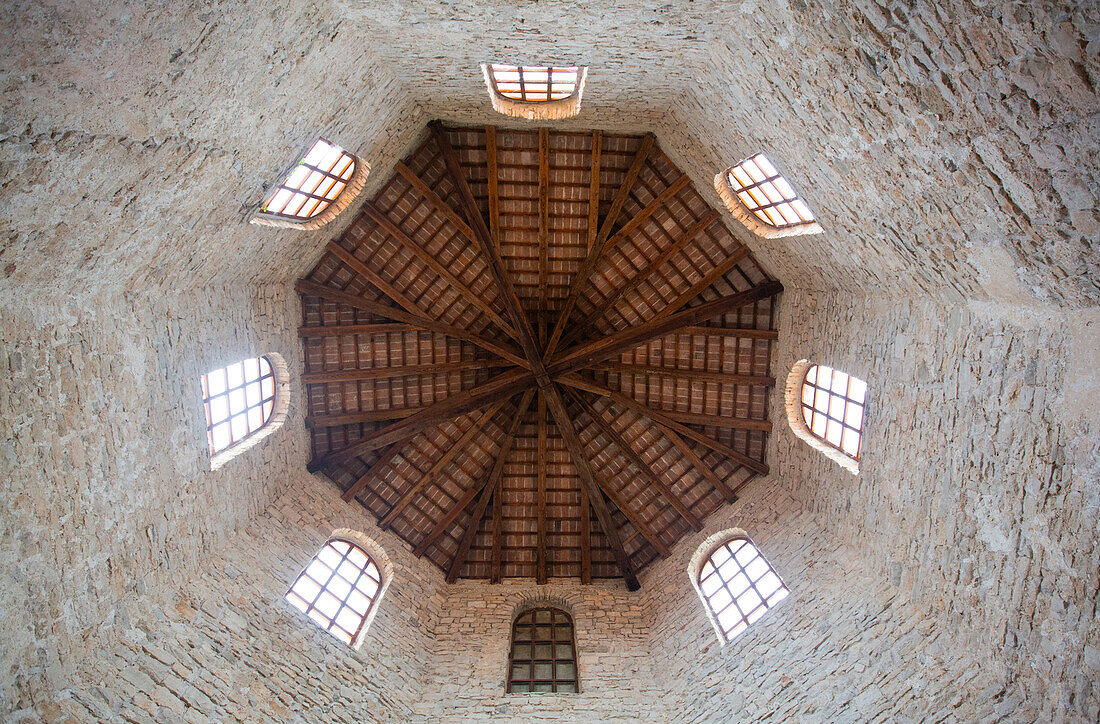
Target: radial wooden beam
{"type": "Point", "coordinates": [437, 468]}
{"type": "Point", "coordinates": [498, 388]}
{"type": "Point", "coordinates": [382, 373]}
{"type": "Point", "coordinates": [576, 452]}
{"type": "Point", "coordinates": [376, 468]}
{"type": "Point", "coordinates": [720, 270]}
{"type": "Point", "coordinates": [588, 353]}
{"type": "Point", "coordinates": [490, 486]}
{"type": "Point", "coordinates": [376, 280]}
{"type": "Point", "coordinates": [434, 200]}
{"type": "Point", "coordinates": [544, 227]}
{"type": "Point", "coordinates": [343, 330]}
{"type": "Point", "coordinates": [696, 461]}
{"type": "Point", "coordinates": [395, 232]}
{"type": "Point", "coordinates": [596, 249]}
{"type": "Point", "coordinates": [540, 492]}
{"type": "Point", "coordinates": [488, 248]}
{"type": "Point", "coordinates": [382, 310]}
{"type": "Point", "coordinates": [648, 210]}
{"type": "Point", "coordinates": [643, 467]}
{"type": "Point", "coordinates": [677, 246]}
{"type": "Point", "coordinates": [594, 188]}
{"type": "Point", "coordinates": [494, 191]}
{"type": "Point", "coordinates": [664, 420]}
{"type": "Point", "coordinates": [683, 374]}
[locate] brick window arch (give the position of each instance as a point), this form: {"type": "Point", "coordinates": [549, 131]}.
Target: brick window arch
{"type": "Point", "coordinates": [737, 585]}
{"type": "Point", "coordinates": [324, 182]}
{"type": "Point", "coordinates": [338, 589]}
{"type": "Point", "coordinates": [763, 200]}
{"type": "Point", "coordinates": [826, 408]}
{"type": "Point", "coordinates": [535, 92]}
{"type": "Point", "coordinates": [543, 657]}
{"type": "Point", "coordinates": [244, 402]}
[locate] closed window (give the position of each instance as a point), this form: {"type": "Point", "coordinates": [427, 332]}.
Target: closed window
{"type": "Point", "coordinates": [544, 656]}
{"type": "Point", "coordinates": [764, 200]}
{"type": "Point", "coordinates": [239, 401]}
{"type": "Point", "coordinates": [338, 589]}
{"type": "Point", "coordinates": [534, 84]}
{"type": "Point", "coordinates": [738, 586]}
{"type": "Point", "coordinates": [833, 404]}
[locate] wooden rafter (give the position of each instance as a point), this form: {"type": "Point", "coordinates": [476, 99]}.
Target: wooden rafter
{"type": "Point", "coordinates": [352, 300]}
{"type": "Point", "coordinates": [586, 537]}
{"type": "Point", "coordinates": [576, 452]}
{"type": "Point", "coordinates": [375, 470]}
{"type": "Point", "coordinates": [493, 180]}
{"type": "Point", "coordinates": [395, 232]}
{"type": "Point", "coordinates": [544, 228]}
{"type": "Point", "coordinates": [490, 486]}
{"type": "Point", "coordinates": [345, 330]}
{"type": "Point", "coordinates": [641, 465]}
{"type": "Point", "coordinates": [596, 249]}
{"type": "Point", "coordinates": [721, 269]}
{"type": "Point", "coordinates": [381, 373]}
{"type": "Point", "coordinates": [594, 189]}
{"type": "Point", "coordinates": [728, 378]}
{"type": "Point", "coordinates": [540, 492]}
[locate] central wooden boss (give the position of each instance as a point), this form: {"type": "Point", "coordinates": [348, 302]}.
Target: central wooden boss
{"type": "Point", "coordinates": [538, 354]}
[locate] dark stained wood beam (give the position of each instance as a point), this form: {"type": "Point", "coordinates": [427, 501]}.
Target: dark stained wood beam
{"type": "Point", "coordinates": [352, 300]}
{"type": "Point", "coordinates": [594, 188]}
{"type": "Point", "coordinates": [586, 537]}
{"type": "Point", "coordinates": [740, 333]}
{"type": "Point", "coordinates": [664, 420]}
{"type": "Point", "coordinates": [354, 418]}
{"type": "Point", "coordinates": [376, 280]}
{"type": "Point", "coordinates": [342, 330]}
{"type": "Point", "coordinates": [681, 374]}
{"type": "Point", "coordinates": [596, 249]}
{"type": "Point", "coordinates": [494, 190]}
{"type": "Point", "coordinates": [488, 248]}
{"type": "Point", "coordinates": [394, 231]}
{"type": "Point", "coordinates": [643, 467]}
{"type": "Point", "coordinates": [498, 388]}
{"type": "Point", "coordinates": [437, 468]}
{"type": "Point", "coordinates": [381, 373]}
{"type": "Point", "coordinates": [588, 353]}
{"type": "Point", "coordinates": [496, 561]}
{"type": "Point", "coordinates": [490, 486]}
{"type": "Point", "coordinates": [544, 227]}
{"type": "Point", "coordinates": [697, 462]}
{"type": "Point", "coordinates": [540, 492]}
{"type": "Point", "coordinates": [434, 200]}
{"type": "Point", "coordinates": [376, 468]}
{"type": "Point", "coordinates": [731, 423]}
{"type": "Point", "coordinates": [576, 452]}
{"type": "Point", "coordinates": [719, 270]}
{"type": "Point", "coordinates": [648, 210]}
{"type": "Point", "coordinates": [586, 325]}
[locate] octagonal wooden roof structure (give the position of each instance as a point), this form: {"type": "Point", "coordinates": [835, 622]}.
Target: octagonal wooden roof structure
{"type": "Point", "coordinates": [538, 353]}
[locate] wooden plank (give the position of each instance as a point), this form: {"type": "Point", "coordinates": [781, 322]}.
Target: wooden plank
{"type": "Point", "coordinates": [573, 444]}
{"type": "Point", "coordinates": [589, 353]}
{"type": "Point", "coordinates": [643, 467]}
{"type": "Point", "coordinates": [376, 280]}
{"type": "Point", "coordinates": [682, 241]}
{"type": "Point", "coordinates": [393, 230]}
{"type": "Point", "coordinates": [382, 373]}
{"type": "Point", "coordinates": [596, 249]}
{"type": "Point", "coordinates": [720, 270]}
{"type": "Point", "coordinates": [586, 537]}
{"type": "Point", "coordinates": [496, 265]}
{"type": "Point", "coordinates": [376, 468]}
{"type": "Point", "coordinates": [682, 374]}
{"type": "Point", "coordinates": [498, 388]}
{"type": "Point", "coordinates": [434, 200]}
{"type": "Point", "coordinates": [544, 227]}
{"type": "Point", "coordinates": [540, 492]}
{"type": "Point", "coordinates": [494, 191]}
{"type": "Point", "coordinates": [696, 462]}
{"type": "Point", "coordinates": [341, 330]}
{"type": "Point", "coordinates": [594, 188]}
{"type": "Point", "coordinates": [382, 310]}
{"type": "Point", "coordinates": [354, 418]}
{"type": "Point", "coordinates": [640, 218]}
{"type": "Point", "coordinates": [497, 559]}
{"type": "Point", "coordinates": [439, 466]}
{"type": "Point", "coordinates": [490, 486]}
{"type": "Point", "coordinates": [740, 333]}
{"type": "Point", "coordinates": [732, 423]}
{"type": "Point", "coordinates": [661, 418]}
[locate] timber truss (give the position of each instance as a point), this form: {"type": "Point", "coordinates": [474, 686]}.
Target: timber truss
{"type": "Point", "coordinates": [538, 354]}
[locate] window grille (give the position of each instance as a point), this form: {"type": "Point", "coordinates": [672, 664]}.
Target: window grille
{"type": "Point", "coordinates": [534, 84]}
{"type": "Point", "coordinates": [338, 589]}
{"type": "Point", "coordinates": [543, 656]}
{"type": "Point", "coordinates": [738, 586]}
{"type": "Point", "coordinates": [764, 200]}
{"type": "Point", "coordinates": [239, 400]}
{"type": "Point", "coordinates": [313, 185]}
{"type": "Point", "coordinates": [833, 404]}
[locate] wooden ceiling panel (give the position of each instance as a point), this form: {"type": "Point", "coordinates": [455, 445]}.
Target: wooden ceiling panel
{"type": "Point", "coordinates": [429, 407]}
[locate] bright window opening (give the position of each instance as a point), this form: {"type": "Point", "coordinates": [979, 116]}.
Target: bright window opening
{"type": "Point", "coordinates": [338, 589]}
{"type": "Point", "coordinates": [534, 84]}
{"type": "Point", "coordinates": [239, 400]}
{"type": "Point", "coordinates": [544, 655]}
{"type": "Point", "coordinates": [313, 185]}
{"type": "Point", "coordinates": [769, 197]}
{"type": "Point", "coordinates": [738, 586]}
{"type": "Point", "coordinates": [833, 404]}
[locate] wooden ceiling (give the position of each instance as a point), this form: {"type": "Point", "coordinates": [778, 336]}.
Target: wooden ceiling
{"type": "Point", "coordinates": [538, 354]}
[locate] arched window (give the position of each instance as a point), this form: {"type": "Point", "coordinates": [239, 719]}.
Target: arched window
{"type": "Point", "coordinates": [738, 586]}
{"type": "Point", "coordinates": [826, 408]}
{"type": "Point", "coordinates": [544, 656]}
{"type": "Point", "coordinates": [244, 402]}
{"type": "Point", "coordinates": [338, 589]}
{"type": "Point", "coordinates": [536, 92]}
{"type": "Point", "coordinates": [321, 185]}
{"type": "Point", "coordinates": [763, 200]}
